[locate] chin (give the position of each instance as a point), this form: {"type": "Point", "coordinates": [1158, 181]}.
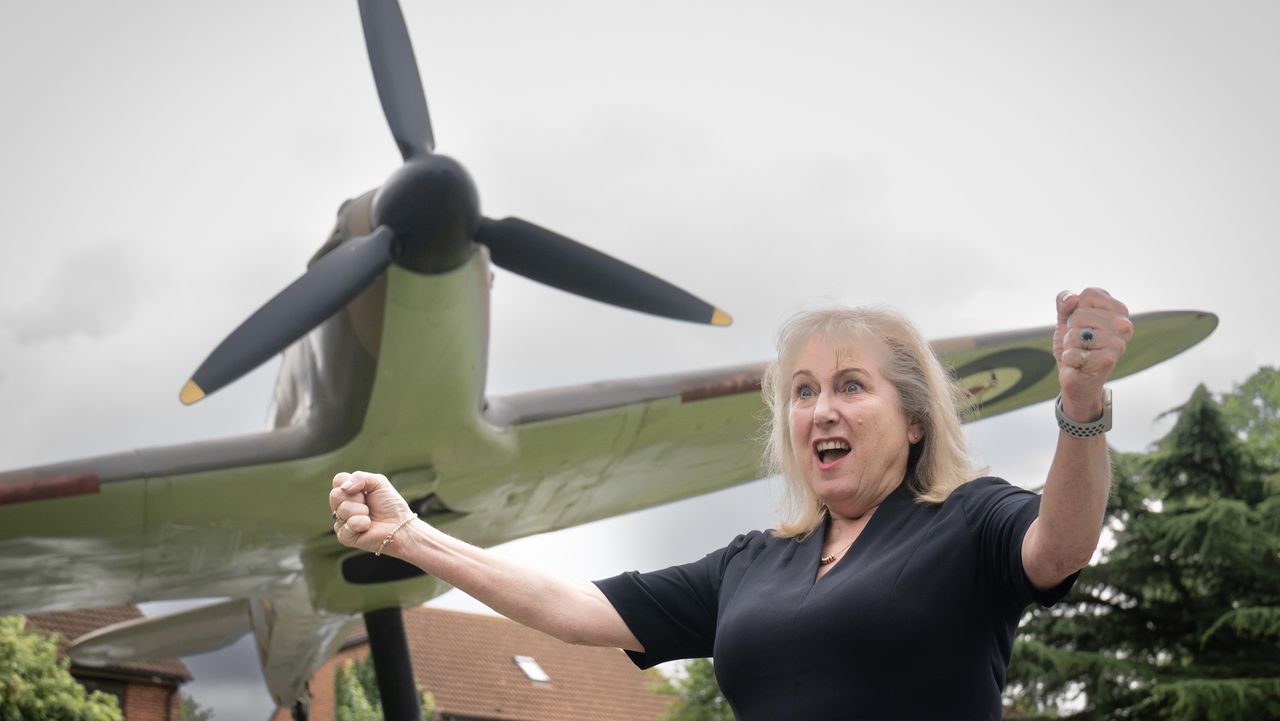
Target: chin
{"type": "Point", "coordinates": [836, 496]}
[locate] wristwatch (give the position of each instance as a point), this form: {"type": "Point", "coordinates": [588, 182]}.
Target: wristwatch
{"type": "Point", "coordinates": [1085, 430]}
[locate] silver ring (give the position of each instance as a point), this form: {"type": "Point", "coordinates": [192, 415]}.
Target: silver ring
{"type": "Point", "coordinates": [1084, 358]}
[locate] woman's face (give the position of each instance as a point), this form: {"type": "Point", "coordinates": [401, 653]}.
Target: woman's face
{"type": "Point", "coordinates": [849, 437]}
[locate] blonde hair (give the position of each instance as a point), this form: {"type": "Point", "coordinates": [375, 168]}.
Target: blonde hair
{"type": "Point", "coordinates": [936, 465]}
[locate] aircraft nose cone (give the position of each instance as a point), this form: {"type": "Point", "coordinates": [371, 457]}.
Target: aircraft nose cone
{"type": "Point", "coordinates": [432, 205]}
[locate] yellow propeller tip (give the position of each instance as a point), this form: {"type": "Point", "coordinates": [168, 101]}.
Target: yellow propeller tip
{"type": "Point", "coordinates": [190, 393]}
{"type": "Point", "coordinates": [721, 318]}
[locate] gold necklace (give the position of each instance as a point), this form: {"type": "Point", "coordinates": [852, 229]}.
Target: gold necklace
{"type": "Point", "coordinates": [824, 560]}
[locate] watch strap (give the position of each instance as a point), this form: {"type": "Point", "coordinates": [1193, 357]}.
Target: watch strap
{"type": "Point", "coordinates": [1085, 430]}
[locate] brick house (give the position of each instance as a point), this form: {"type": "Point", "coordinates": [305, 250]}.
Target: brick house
{"type": "Point", "coordinates": [487, 668]}
{"type": "Point", "coordinates": [146, 691]}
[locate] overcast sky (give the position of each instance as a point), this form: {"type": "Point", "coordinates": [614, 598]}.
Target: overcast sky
{"type": "Point", "coordinates": [167, 167]}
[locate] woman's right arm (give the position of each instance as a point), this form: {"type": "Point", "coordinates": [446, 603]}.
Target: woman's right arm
{"type": "Point", "coordinates": [369, 508]}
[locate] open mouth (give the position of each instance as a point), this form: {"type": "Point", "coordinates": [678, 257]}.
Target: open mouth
{"type": "Point", "coordinates": [831, 451]}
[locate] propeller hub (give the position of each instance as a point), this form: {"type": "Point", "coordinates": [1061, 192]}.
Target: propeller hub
{"type": "Point", "coordinates": [432, 205]}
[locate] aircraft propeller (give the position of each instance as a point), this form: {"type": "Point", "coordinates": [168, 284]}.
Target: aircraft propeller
{"type": "Point", "coordinates": [426, 219]}
{"type": "Point", "coordinates": [395, 72]}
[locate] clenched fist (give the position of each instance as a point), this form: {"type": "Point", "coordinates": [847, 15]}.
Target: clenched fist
{"type": "Point", "coordinates": [1093, 331]}
{"type": "Point", "coordinates": [367, 509]}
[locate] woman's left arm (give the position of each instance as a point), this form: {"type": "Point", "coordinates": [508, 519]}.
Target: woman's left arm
{"type": "Point", "coordinates": [1093, 330]}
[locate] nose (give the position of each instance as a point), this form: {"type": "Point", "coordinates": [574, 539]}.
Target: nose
{"type": "Point", "coordinates": [824, 413]}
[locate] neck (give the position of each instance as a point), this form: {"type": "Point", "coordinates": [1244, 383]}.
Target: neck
{"type": "Point", "coordinates": [847, 514]}
{"type": "Point", "coordinates": [840, 522]}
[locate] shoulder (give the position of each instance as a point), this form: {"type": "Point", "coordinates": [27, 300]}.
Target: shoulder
{"type": "Point", "coordinates": [986, 487]}
{"type": "Point", "coordinates": [746, 548]}
{"type": "Point", "coordinates": [751, 543]}
{"type": "Point", "coordinates": [989, 496]}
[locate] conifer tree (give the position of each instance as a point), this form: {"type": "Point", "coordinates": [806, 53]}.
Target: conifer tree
{"type": "Point", "coordinates": [356, 696]}
{"type": "Point", "coordinates": [190, 710]}
{"type": "Point", "coordinates": [1181, 619]}
{"type": "Point", "coordinates": [1253, 411]}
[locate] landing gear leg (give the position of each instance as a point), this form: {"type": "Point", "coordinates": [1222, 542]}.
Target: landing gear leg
{"type": "Point", "coordinates": [390, 650]}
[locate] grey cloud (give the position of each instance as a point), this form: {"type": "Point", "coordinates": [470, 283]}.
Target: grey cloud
{"type": "Point", "coordinates": [90, 293]}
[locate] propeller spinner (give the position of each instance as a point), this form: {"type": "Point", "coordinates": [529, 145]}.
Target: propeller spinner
{"type": "Point", "coordinates": [426, 217]}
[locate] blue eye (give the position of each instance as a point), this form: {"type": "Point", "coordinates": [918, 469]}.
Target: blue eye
{"type": "Point", "coordinates": [852, 387]}
{"type": "Point", "coordinates": [805, 392]}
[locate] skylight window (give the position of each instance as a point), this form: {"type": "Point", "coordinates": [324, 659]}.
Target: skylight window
{"type": "Point", "coordinates": [532, 669]}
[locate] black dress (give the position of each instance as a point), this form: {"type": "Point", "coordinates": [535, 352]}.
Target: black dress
{"type": "Point", "coordinates": [915, 621]}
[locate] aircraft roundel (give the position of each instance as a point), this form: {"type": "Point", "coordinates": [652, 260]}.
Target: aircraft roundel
{"type": "Point", "coordinates": [993, 377]}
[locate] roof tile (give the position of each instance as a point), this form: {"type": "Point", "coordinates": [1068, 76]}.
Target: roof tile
{"type": "Point", "coordinates": [467, 662]}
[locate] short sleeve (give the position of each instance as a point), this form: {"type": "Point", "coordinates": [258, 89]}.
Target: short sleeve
{"type": "Point", "coordinates": [999, 515]}
{"type": "Point", "coordinates": [672, 612]}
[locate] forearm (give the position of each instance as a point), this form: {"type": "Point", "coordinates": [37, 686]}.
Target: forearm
{"type": "Point", "coordinates": [572, 611]}
{"type": "Point", "coordinates": [1092, 333]}
{"type": "Point", "coordinates": [1074, 501]}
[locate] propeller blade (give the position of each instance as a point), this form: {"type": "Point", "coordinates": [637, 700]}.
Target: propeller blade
{"type": "Point", "coordinates": [395, 72]}
{"type": "Point", "coordinates": [552, 259]}
{"type": "Point", "coordinates": [328, 285]}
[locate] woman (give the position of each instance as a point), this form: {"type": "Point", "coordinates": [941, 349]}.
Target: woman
{"type": "Point", "coordinates": [893, 588]}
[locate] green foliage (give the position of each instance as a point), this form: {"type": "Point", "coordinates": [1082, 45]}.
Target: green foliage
{"type": "Point", "coordinates": [1253, 411]}
{"type": "Point", "coordinates": [356, 697]}
{"type": "Point", "coordinates": [189, 710]}
{"type": "Point", "coordinates": [1258, 623]}
{"type": "Point", "coordinates": [35, 683]}
{"type": "Point", "coordinates": [350, 699]}
{"type": "Point", "coordinates": [1181, 620]}
{"type": "Point", "coordinates": [1217, 699]}
{"type": "Point", "coordinates": [697, 694]}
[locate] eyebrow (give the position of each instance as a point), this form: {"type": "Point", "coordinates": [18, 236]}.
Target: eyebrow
{"type": "Point", "coordinates": [839, 372]}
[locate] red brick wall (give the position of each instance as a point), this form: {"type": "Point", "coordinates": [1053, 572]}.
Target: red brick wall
{"type": "Point", "coordinates": [147, 702]}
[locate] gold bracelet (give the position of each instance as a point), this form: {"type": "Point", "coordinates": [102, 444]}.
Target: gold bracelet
{"type": "Point", "coordinates": [391, 536]}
